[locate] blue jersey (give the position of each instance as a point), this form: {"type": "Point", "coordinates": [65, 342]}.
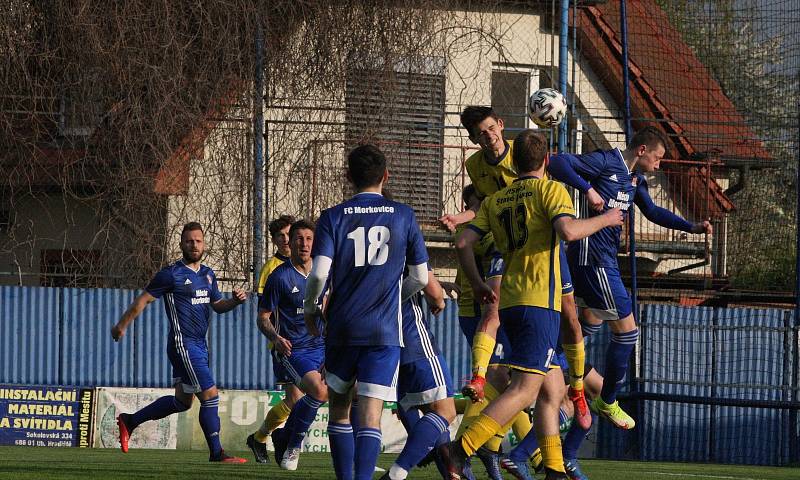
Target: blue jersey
{"type": "Point", "coordinates": [417, 336]}
{"type": "Point", "coordinates": [607, 172]}
{"type": "Point", "coordinates": [283, 296]}
{"type": "Point", "coordinates": [370, 240]}
{"type": "Point", "coordinates": [188, 296]}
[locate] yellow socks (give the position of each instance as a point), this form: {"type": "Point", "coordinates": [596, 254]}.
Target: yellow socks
{"type": "Point", "coordinates": [482, 348]}
{"type": "Point", "coordinates": [470, 414]}
{"type": "Point", "coordinates": [481, 430]}
{"type": "Point", "coordinates": [576, 357]}
{"type": "Point", "coordinates": [276, 415]}
{"type": "Point", "coordinates": [551, 452]}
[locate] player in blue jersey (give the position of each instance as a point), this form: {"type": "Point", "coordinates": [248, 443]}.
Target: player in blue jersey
{"type": "Point", "coordinates": [613, 179]}
{"type": "Point", "coordinates": [424, 384]}
{"type": "Point", "coordinates": [280, 319]}
{"type": "Point", "coordinates": [361, 247]}
{"type": "Point", "coordinates": [190, 293]}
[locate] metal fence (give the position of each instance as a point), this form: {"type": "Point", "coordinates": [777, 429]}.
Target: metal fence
{"type": "Point", "coordinates": [704, 379]}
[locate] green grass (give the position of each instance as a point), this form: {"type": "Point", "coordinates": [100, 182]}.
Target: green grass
{"type": "Point", "coordinates": [61, 463]}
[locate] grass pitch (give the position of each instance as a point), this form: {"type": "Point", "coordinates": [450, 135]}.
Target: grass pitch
{"type": "Point", "coordinates": [64, 463]}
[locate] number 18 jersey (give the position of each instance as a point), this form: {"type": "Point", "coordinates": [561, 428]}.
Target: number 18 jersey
{"type": "Point", "coordinates": [370, 240]}
{"type": "Point", "coordinates": [521, 218]}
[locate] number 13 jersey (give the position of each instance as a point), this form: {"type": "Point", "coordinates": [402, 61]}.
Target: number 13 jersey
{"type": "Point", "coordinates": [521, 218]}
{"type": "Point", "coordinates": [370, 240]}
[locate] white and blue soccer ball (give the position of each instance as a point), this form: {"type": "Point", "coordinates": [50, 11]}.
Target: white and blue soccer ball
{"type": "Point", "coordinates": [547, 107]}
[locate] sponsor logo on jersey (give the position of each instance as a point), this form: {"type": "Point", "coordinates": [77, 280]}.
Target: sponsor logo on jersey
{"type": "Point", "coordinates": [613, 178]}
{"type": "Point", "coordinates": [295, 289]}
{"type": "Point", "coordinates": [187, 282]}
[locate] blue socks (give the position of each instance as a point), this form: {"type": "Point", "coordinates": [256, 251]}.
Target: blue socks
{"type": "Point", "coordinates": [426, 434]}
{"type": "Point", "coordinates": [368, 446]}
{"type": "Point", "coordinates": [524, 449]}
{"type": "Point", "coordinates": [340, 436]}
{"type": "Point", "coordinates": [588, 329]}
{"type": "Point", "coordinates": [618, 357]}
{"type": "Point", "coordinates": [160, 408]}
{"type": "Point", "coordinates": [573, 439]}
{"type": "Point", "coordinates": [303, 414]}
{"type": "Point", "coordinates": [209, 422]}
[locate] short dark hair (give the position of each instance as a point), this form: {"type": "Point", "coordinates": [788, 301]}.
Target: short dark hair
{"type": "Point", "coordinates": [279, 224]}
{"type": "Point", "coordinates": [473, 115]}
{"type": "Point", "coordinates": [191, 226]}
{"type": "Point", "coordinates": [651, 137]}
{"type": "Point", "coordinates": [366, 165]}
{"type": "Point", "coordinates": [301, 224]}
{"type": "Point", "coordinates": [469, 191]}
{"type": "Point", "coordinates": [530, 148]}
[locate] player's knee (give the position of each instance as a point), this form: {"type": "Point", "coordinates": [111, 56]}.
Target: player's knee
{"type": "Point", "coordinates": [181, 406]}
{"type": "Point", "coordinates": [627, 338]}
{"type": "Point", "coordinates": [588, 329]}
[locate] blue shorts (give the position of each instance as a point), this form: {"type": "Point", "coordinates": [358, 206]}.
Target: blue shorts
{"type": "Point", "coordinates": [424, 381]}
{"type": "Point", "coordinates": [533, 334]}
{"type": "Point", "coordinates": [278, 370]}
{"type": "Point", "coordinates": [600, 289]}
{"type": "Point", "coordinates": [566, 278]}
{"type": "Point", "coordinates": [190, 368]}
{"type": "Point", "coordinates": [374, 367]}
{"type": "Point", "coordinates": [501, 346]}
{"type": "Point", "coordinates": [302, 361]}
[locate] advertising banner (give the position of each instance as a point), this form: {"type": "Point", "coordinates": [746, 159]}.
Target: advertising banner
{"type": "Point", "coordinates": [46, 416]}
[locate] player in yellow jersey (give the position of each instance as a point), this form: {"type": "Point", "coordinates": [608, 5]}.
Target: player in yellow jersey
{"type": "Point", "coordinates": [528, 219]}
{"type": "Point", "coordinates": [257, 441]}
{"type": "Point", "coordinates": [490, 170]}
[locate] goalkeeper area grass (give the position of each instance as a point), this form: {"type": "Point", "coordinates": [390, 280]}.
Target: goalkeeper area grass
{"type": "Point", "coordinates": [62, 463]}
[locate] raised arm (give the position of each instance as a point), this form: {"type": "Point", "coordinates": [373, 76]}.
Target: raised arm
{"type": "Point", "coordinates": [133, 311]}
{"type": "Point", "coordinates": [662, 216]}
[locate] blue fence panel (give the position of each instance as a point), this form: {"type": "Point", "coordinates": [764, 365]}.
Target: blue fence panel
{"type": "Point", "coordinates": [752, 362]}
{"type": "Point", "coordinates": [91, 357]}
{"type": "Point", "coordinates": [451, 341]}
{"type": "Point", "coordinates": [151, 367]}
{"type": "Point", "coordinates": [239, 353]}
{"type": "Point", "coordinates": [30, 349]}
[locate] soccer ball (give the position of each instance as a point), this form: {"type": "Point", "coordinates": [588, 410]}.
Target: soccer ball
{"type": "Point", "coordinates": [547, 107]}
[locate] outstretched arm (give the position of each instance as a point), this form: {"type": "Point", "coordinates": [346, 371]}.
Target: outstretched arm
{"type": "Point", "coordinates": [136, 308]}
{"type": "Point", "coordinates": [663, 217]}
{"type": "Point", "coordinates": [238, 298]}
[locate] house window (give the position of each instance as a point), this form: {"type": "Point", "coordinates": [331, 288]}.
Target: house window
{"type": "Point", "coordinates": [70, 268]}
{"type": "Point", "coordinates": [402, 110]}
{"type": "Point", "coordinates": [512, 85]}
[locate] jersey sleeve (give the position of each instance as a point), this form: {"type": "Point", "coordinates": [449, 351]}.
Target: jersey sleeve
{"type": "Point", "coordinates": [577, 170]}
{"type": "Point", "coordinates": [323, 237]}
{"type": "Point", "coordinates": [658, 215]}
{"type": "Point", "coordinates": [556, 201]}
{"type": "Point", "coordinates": [262, 278]}
{"type": "Point", "coordinates": [271, 296]}
{"type": "Point", "coordinates": [162, 283]}
{"type": "Point", "coordinates": [214, 293]}
{"type": "Point", "coordinates": [416, 253]}
{"type": "Point", "coordinates": [480, 224]}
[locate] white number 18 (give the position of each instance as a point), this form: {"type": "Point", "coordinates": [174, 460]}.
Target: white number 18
{"type": "Point", "coordinates": [378, 251]}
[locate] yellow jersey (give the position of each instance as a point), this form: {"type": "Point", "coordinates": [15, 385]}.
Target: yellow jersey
{"type": "Point", "coordinates": [274, 262]}
{"type": "Point", "coordinates": [487, 177]}
{"type": "Point", "coordinates": [486, 257]}
{"type": "Point", "coordinates": [521, 218]}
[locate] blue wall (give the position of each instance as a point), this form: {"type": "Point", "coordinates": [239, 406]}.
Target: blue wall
{"type": "Point", "coordinates": [52, 336]}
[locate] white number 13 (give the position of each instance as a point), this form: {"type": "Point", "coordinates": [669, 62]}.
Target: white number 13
{"type": "Point", "coordinates": [378, 251]}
